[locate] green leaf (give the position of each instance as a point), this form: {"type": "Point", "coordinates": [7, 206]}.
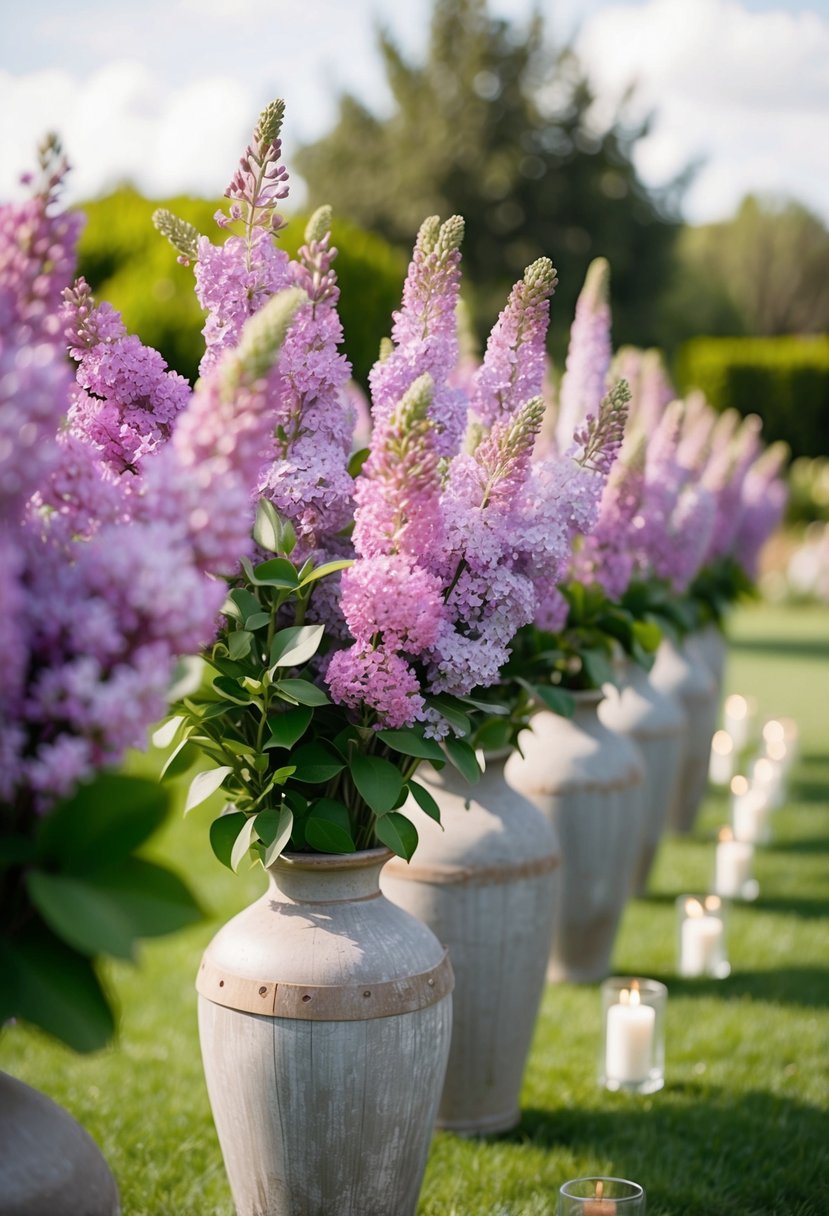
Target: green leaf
{"type": "Point", "coordinates": [223, 833]}
{"type": "Point", "coordinates": [494, 734]}
{"type": "Point", "coordinates": [241, 604]}
{"type": "Point", "coordinates": [203, 785]}
{"type": "Point", "coordinates": [647, 634]}
{"type": "Point", "coordinates": [464, 759]}
{"type": "Point", "coordinates": [274, 830]}
{"type": "Point", "coordinates": [80, 913]}
{"type": "Point", "coordinates": [378, 781]}
{"type": "Point", "coordinates": [288, 728]}
{"type": "Point", "coordinates": [187, 678]}
{"type": "Point", "coordinates": [277, 572]}
{"type": "Point", "coordinates": [357, 460]}
{"type": "Point", "coordinates": [269, 529]}
{"type": "Point", "coordinates": [166, 733]}
{"type": "Point", "coordinates": [231, 690]}
{"type": "Point", "coordinates": [425, 800]}
{"type": "Point", "coordinates": [316, 763]}
{"type": "Point", "coordinates": [295, 646]}
{"type": "Point", "coordinates": [55, 988]}
{"type": "Point", "coordinates": [398, 833]}
{"type": "Point", "coordinates": [258, 620]}
{"type": "Point", "coordinates": [302, 691]}
{"type": "Point", "coordinates": [242, 843]}
{"type": "Point", "coordinates": [328, 828]}
{"type": "Point", "coordinates": [154, 899]}
{"type": "Point", "coordinates": [597, 668]}
{"type": "Point", "coordinates": [15, 850]}
{"type": "Point", "coordinates": [558, 700]}
{"type": "Point", "coordinates": [102, 822]}
{"type": "Point", "coordinates": [453, 713]}
{"type": "Point", "coordinates": [239, 643]}
{"type": "Point", "coordinates": [326, 569]}
{"type": "Point", "coordinates": [411, 743]}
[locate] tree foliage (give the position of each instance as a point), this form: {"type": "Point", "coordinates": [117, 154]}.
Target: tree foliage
{"type": "Point", "coordinates": [500, 127]}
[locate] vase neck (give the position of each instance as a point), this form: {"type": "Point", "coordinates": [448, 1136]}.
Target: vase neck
{"type": "Point", "coordinates": [328, 877]}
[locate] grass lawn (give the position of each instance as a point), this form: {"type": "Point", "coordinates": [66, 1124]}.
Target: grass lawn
{"type": "Point", "coordinates": [742, 1125]}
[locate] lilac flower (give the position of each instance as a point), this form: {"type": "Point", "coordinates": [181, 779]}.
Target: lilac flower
{"type": "Point", "coordinates": [763, 500]}
{"type": "Point", "coordinates": [127, 401]}
{"type": "Point", "coordinates": [424, 335]}
{"type": "Point", "coordinates": [724, 475]}
{"type": "Point", "coordinates": [515, 361]}
{"type": "Point", "coordinates": [589, 353]}
{"type": "Point", "coordinates": [650, 386]}
{"type": "Point", "coordinates": [606, 556]}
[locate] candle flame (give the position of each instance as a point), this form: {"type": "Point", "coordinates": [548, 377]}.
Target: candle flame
{"type": "Point", "coordinates": [726, 834]}
{"type": "Point", "coordinates": [722, 743]}
{"type": "Point", "coordinates": [599, 1189]}
{"type": "Point", "coordinates": [713, 903]}
{"type": "Point", "coordinates": [634, 993]}
{"type": "Point", "coordinates": [693, 907]}
{"type": "Point", "coordinates": [763, 771]}
{"type": "Point", "coordinates": [739, 785]}
{"type": "Point", "coordinates": [774, 732]}
{"type": "Point", "coordinates": [736, 706]}
{"type": "Point", "coordinates": [776, 750]}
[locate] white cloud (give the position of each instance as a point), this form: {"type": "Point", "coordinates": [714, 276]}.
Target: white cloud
{"type": "Point", "coordinates": [747, 91]}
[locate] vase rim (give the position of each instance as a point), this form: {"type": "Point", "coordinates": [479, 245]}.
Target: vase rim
{"type": "Point", "coordinates": [332, 861]}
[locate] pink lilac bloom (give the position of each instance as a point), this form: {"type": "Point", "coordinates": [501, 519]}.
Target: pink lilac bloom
{"type": "Point", "coordinates": [589, 355]}
{"type": "Point", "coordinates": [697, 432]}
{"type": "Point", "coordinates": [763, 500]}
{"type": "Point", "coordinates": [378, 680]}
{"type": "Point", "coordinates": [606, 556]}
{"type": "Point", "coordinates": [424, 338]}
{"type": "Point", "coordinates": [234, 280]}
{"type": "Point", "coordinates": [723, 476]}
{"type": "Point", "coordinates": [515, 361]}
{"type": "Point", "coordinates": [650, 386]}
{"type": "Point", "coordinates": [126, 401]}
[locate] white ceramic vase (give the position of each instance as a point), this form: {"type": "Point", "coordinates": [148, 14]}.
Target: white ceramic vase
{"type": "Point", "coordinates": [587, 779]}
{"type": "Point", "coordinates": [49, 1166]}
{"type": "Point", "coordinates": [656, 722]}
{"type": "Point", "coordinates": [682, 671]}
{"type": "Point", "coordinates": [485, 885]}
{"type": "Point", "coordinates": [325, 1018]}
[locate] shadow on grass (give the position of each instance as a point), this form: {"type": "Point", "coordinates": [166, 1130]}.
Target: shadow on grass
{"type": "Point", "coordinates": [807, 987]}
{"type": "Point", "coordinates": [815, 844]}
{"type": "Point", "coordinates": [806, 648]}
{"type": "Point", "coordinates": [699, 1150]}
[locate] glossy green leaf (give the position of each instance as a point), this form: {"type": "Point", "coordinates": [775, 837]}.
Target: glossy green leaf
{"type": "Point", "coordinates": [223, 833]}
{"type": "Point", "coordinates": [357, 460]}
{"type": "Point", "coordinates": [240, 604]}
{"type": "Point", "coordinates": [597, 668]}
{"type": "Point", "coordinates": [378, 781]}
{"type": "Point", "coordinates": [277, 572]}
{"type": "Point", "coordinates": [454, 714]}
{"type": "Point", "coordinates": [81, 914]}
{"type": "Point", "coordinates": [425, 800]}
{"type": "Point", "coordinates": [328, 828]}
{"type": "Point", "coordinates": [154, 899]}
{"type": "Point", "coordinates": [203, 785]}
{"type": "Point", "coordinates": [239, 643]}
{"type": "Point", "coordinates": [464, 759]}
{"type": "Point", "coordinates": [398, 833]}
{"type": "Point", "coordinates": [274, 830]}
{"type": "Point", "coordinates": [326, 569]}
{"type": "Point", "coordinates": [166, 733]}
{"type": "Point", "coordinates": [258, 620]}
{"type": "Point", "coordinates": [316, 763]}
{"type": "Point", "coordinates": [102, 822]}
{"type": "Point", "coordinates": [267, 529]}
{"type": "Point", "coordinates": [293, 647]}
{"type": "Point", "coordinates": [302, 691]}
{"type": "Point", "coordinates": [231, 690]}
{"type": "Point", "coordinates": [411, 743]}
{"type": "Point", "coordinates": [242, 843]}
{"type": "Point", "coordinates": [288, 728]}
{"type": "Point", "coordinates": [558, 700]}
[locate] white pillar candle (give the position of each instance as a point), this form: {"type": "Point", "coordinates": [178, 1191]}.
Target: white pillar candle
{"type": "Point", "coordinates": [629, 1038]}
{"type": "Point", "coordinates": [701, 938]}
{"type": "Point", "coordinates": [721, 764]}
{"type": "Point", "coordinates": [732, 866]}
{"type": "Point", "coordinates": [751, 815]}
{"type": "Point", "coordinates": [770, 777]}
{"type": "Point", "coordinates": [736, 715]}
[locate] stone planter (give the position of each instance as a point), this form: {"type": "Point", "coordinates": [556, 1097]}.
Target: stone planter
{"type": "Point", "coordinates": [325, 1021]}
{"type": "Point", "coordinates": [485, 885]}
{"type": "Point", "coordinates": [656, 722]}
{"type": "Point", "coordinates": [711, 643]}
{"type": "Point", "coordinates": [682, 671]}
{"type": "Point", "coordinates": [587, 779]}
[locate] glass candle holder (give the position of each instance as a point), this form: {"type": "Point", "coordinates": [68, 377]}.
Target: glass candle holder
{"type": "Point", "coordinates": [701, 936]}
{"type": "Point", "coordinates": [600, 1197]}
{"type": "Point", "coordinates": [737, 719]}
{"type": "Point", "coordinates": [723, 755]}
{"type": "Point", "coordinates": [633, 1041]}
{"type": "Point", "coordinates": [750, 812]}
{"type": "Point", "coordinates": [769, 776]}
{"type": "Point", "coordinates": [732, 868]}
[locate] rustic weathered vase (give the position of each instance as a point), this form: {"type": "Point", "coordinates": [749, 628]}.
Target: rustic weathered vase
{"type": "Point", "coordinates": [49, 1166]}
{"type": "Point", "coordinates": [681, 670]}
{"type": "Point", "coordinates": [656, 722]}
{"type": "Point", "coordinates": [325, 1018]}
{"type": "Point", "coordinates": [587, 779]}
{"type": "Point", "coordinates": [711, 644]}
{"type": "Point", "coordinates": [486, 886]}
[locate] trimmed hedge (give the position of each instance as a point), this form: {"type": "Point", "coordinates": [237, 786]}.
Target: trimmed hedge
{"type": "Point", "coordinates": [132, 266]}
{"type": "Point", "coordinates": [784, 380]}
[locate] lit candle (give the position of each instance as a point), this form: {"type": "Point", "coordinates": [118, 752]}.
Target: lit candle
{"type": "Point", "coordinates": [599, 1206]}
{"type": "Point", "coordinates": [721, 764]}
{"type": "Point", "coordinates": [750, 812]}
{"type": "Point", "coordinates": [629, 1037]}
{"type": "Point", "coordinates": [732, 866]}
{"type": "Point", "coordinates": [701, 938]}
{"type": "Point", "coordinates": [780, 740]}
{"type": "Point", "coordinates": [770, 777]}
{"type": "Point", "coordinates": [736, 719]}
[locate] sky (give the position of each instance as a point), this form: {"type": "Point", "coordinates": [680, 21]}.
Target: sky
{"type": "Point", "coordinates": [165, 92]}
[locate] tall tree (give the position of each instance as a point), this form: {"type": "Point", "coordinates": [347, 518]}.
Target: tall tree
{"type": "Point", "coordinates": [499, 126]}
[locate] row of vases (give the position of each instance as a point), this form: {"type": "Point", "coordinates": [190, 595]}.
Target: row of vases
{"type": "Point", "coordinates": [326, 1008]}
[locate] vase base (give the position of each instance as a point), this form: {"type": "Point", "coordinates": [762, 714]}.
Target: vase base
{"type": "Point", "coordinates": [488, 1125]}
